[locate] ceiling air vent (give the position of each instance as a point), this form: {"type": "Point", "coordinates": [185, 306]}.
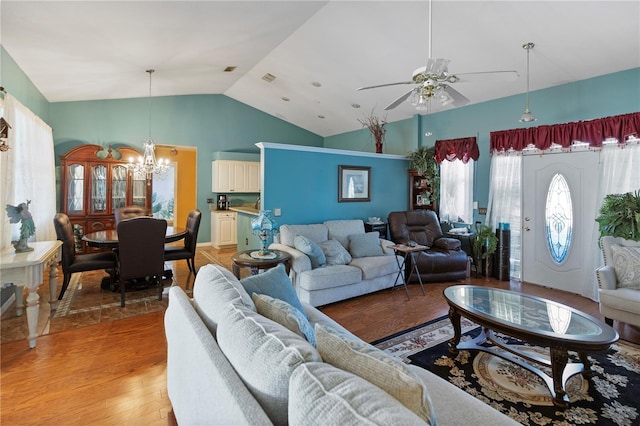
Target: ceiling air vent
{"type": "Point", "coordinates": [268, 77]}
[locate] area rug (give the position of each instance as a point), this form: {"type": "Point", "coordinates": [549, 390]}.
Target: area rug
{"type": "Point", "coordinates": [610, 397]}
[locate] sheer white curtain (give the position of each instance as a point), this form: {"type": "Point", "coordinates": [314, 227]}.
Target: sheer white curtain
{"type": "Point", "coordinates": [456, 191]}
{"type": "Point", "coordinates": [619, 173]}
{"type": "Point", "coordinates": [27, 172]}
{"type": "Point", "coordinates": [504, 200]}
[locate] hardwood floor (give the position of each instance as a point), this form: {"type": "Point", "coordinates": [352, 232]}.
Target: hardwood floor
{"type": "Point", "coordinates": [113, 372]}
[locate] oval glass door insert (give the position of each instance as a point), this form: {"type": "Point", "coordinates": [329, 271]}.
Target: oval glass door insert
{"type": "Point", "coordinates": [559, 218]}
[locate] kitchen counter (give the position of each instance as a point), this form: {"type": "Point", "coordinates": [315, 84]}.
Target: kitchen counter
{"type": "Point", "coordinates": [245, 209]}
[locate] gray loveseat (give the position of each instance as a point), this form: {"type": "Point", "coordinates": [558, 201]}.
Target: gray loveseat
{"type": "Point", "coordinates": [229, 365]}
{"type": "Point", "coordinates": [333, 282]}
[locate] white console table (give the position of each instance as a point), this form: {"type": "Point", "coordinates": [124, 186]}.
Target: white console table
{"type": "Point", "coordinates": [27, 270]}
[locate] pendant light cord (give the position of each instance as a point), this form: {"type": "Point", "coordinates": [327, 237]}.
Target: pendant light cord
{"type": "Point", "coordinates": [151, 71]}
{"type": "Point", "coordinates": [430, 29]}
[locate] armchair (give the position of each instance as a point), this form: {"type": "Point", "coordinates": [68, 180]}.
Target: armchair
{"type": "Point", "coordinates": [616, 301]}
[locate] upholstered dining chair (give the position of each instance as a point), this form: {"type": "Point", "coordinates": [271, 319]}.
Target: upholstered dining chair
{"type": "Point", "coordinates": [140, 251]}
{"type": "Point", "coordinates": [188, 250]}
{"type": "Point", "coordinates": [129, 212]}
{"type": "Point", "coordinates": [72, 262]}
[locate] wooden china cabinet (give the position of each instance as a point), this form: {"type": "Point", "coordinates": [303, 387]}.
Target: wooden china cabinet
{"type": "Point", "coordinates": [93, 183]}
{"type": "Point", "coordinates": [417, 187]}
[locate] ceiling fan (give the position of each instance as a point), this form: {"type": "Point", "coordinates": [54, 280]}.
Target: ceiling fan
{"type": "Point", "coordinates": [432, 82]}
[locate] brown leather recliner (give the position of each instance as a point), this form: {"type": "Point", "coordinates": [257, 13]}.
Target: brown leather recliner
{"type": "Point", "coordinates": [443, 261]}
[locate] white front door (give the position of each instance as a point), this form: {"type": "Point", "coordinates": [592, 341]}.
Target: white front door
{"type": "Point", "coordinates": [557, 226]}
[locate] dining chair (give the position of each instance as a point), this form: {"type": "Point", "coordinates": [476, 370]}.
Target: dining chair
{"type": "Point", "coordinates": [72, 262]}
{"type": "Point", "coordinates": [129, 212]}
{"type": "Point", "coordinates": [141, 251]}
{"type": "Point", "coordinates": [188, 250]}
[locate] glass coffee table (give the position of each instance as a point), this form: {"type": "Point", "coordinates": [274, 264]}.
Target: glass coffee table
{"type": "Point", "coordinates": [532, 320]}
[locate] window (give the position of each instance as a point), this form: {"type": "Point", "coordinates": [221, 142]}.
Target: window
{"type": "Point", "coordinates": [558, 218]}
{"type": "Point", "coordinates": [456, 191]}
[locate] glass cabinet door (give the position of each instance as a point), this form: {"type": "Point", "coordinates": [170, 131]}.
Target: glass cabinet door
{"type": "Point", "coordinates": [139, 190]}
{"type": "Point", "coordinates": [98, 189]}
{"type": "Point", "coordinates": [75, 189]}
{"type": "Point", "coordinates": [118, 187]}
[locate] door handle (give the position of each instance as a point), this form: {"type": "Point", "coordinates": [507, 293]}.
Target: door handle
{"type": "Point", "coordinates": [526, 228]}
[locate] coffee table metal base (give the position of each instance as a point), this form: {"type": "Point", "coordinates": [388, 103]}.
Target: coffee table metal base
{"type": "Point", "coordinates": [561, 369]}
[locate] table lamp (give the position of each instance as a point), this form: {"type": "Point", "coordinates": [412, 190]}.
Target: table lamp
{"type": "Point", "coordinates": [264, 226]}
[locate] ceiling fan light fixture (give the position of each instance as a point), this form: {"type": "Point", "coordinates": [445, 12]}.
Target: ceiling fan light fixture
{"type": "Point", "coordinates": [527, 116]}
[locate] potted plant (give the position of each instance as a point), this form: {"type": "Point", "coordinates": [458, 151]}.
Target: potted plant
{"type": "Point", "coordinates": [376, 127]}
{"type": "Point", "coordinates": [423, 161]}
{"type": "Point", "coordinates": [620, 216]}
{"type": "Point", "coordinates": [485, 243]}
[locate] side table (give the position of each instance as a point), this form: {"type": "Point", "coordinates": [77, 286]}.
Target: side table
{"type": "Point", "coordinates": [405, 252]}
{"type": "Point", "coordinates": [380, 227]}
{"type": "Point", "coordinates": [244, 259]}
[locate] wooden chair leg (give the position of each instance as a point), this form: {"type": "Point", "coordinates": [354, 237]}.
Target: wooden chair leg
{"type": "Point", "coordinates": [65, 284]}
{"type": "Point", "coordinates": [160, 287]}
{"type": "Point", "coordinates": [122, 289]}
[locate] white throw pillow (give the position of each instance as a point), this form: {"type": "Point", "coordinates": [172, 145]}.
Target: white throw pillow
{"type": "Point", "coordinates": [335, 253]}
{"type": "Point", "coordinates": [320, 394]}
{"type": "Point", "coordinates": [264, 354]}
{"type": "Point", "coordinates": [285, 314]}
{"type": "Point", "coordinates": [375, 366]}
{"type": "Point", "coordinates": [626, 264]}
{"type": "Point", "coordinates": [365, 245]}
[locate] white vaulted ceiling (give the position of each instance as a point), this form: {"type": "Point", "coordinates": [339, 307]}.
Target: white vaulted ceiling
{"type": "Point", "coordinates": [87, 50]}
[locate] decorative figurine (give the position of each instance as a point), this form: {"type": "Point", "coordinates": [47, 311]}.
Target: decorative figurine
{"type": "Point", "coordinates": [21, 214]}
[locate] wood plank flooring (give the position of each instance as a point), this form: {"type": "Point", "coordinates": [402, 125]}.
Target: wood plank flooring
{"type": "Point", "coordinates": [114, 372]}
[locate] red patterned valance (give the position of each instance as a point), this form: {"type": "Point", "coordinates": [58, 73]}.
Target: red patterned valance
{"type": "Point", "coordinates": [593, 132]}
{"type": "Point", "coordinates": [462, 149]}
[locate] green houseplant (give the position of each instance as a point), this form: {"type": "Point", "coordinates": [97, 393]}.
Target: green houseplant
{"type": "Point", "coordinates": [423, 161]}
{"type": "Point", "coordinates": [620, 216]}
{"type": "Point", "coordinates": [485, 243]}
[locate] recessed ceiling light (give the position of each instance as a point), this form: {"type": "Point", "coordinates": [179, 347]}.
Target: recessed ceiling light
{"type": "Point", "coordinates": [230, 69]}
{"type": "Point", "coordinates": [355, 106]}
{"type": "Point", "coordinates": [268, 77]}
{"type": "Point", "coordinates": [316, 84]}
{"type": "Point", "coordinates": [321, 117]}
{"type": "Point", "coordinates": [284, 98]}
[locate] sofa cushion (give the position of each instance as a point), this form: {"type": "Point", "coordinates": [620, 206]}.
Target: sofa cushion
{"type": "Point", "coordinates": [316, 232]}
{"type": "Point", "coordinates": [286, 315]}
{"type": "Point", "coordinates": [377, 367]}
{"type": "Point", "coordinates": [376, 266]}
{"type": "Point", "coordinates": [311, 249]}
{"type": "Point", "coordinates": [273, 282]}
{"type": "Point", "coordinates": [335, 253]}
{"type": "Point", "coordinates": [214, 288]}
{"type": "Point", "coordinates": [320, 394]}
{"type": "Point", "coordinates": [341, 229]}
{"type": "Point", "coordinates": [264, 354]}
{"type": "Point", "coordinates": [335, 276]}
{"type": "Point", "coordinates": [626, 263]}
{"type": "Point", "coordinates": [364, 245]}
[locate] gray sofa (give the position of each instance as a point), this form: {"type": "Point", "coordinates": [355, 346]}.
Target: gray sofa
{"type": "Point", "coordinates": [322, 285]}
{"type": "Point", "coordinates": [218, 373]}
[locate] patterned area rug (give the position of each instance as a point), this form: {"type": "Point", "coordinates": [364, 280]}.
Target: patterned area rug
{"type": "Point", "coordinates": [610, 397]}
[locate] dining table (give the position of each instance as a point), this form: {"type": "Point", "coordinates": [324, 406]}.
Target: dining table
{"type": "Point", "coordinates": [108, 238]}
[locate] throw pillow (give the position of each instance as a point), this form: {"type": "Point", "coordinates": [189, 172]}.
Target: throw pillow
{"type": "Point", "coordinates": [311, 249]}
{"type": "Point", "coordinates": [365, 245]}
{"type": "Point", "coordinates": [273, 282]}
{"type": "Point", "coordinates": [286, 315]}
{"type": "Point", "coordinates": [264, 354]}
{"type": "Point", "coordinates": [377, 367]}
{"type": "Point", "coordinates": [320, 394]}
{"type": "Point", "coordinates": [335, 253]}
{"type": "Point", "coordinates": [626, 264]}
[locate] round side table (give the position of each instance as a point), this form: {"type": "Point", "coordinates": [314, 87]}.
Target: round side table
{"type": "Point", "coordinates": [243, 259]}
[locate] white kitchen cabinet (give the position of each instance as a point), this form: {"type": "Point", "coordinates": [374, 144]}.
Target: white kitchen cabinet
{"type": "Point", "coordinates": [224, 229]}
{"type": "Point", "coordinates": [235, 176]}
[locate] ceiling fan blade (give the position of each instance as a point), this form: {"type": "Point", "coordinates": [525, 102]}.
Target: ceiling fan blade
{"type": "Point", "coordinates": [505, 75]}
{"type": "Point", "coordinates": [457, 98]}
{"type": "Point", "coordinates": [398, 101]}
{"type": "Point", "coordinates": [385, 85]}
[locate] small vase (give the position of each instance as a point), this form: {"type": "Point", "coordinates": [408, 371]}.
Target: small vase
{"type": "Point", "coordinates": [379, 146]}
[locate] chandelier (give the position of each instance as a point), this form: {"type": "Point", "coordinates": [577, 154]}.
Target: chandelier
{"type": "Point", "coordinates": [147, 165]}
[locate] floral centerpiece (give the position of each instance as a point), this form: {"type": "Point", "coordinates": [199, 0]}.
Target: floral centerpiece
{"type": "Point", "coordinates": [376, 127]}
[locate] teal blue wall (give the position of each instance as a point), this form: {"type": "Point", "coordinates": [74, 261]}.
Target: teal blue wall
{"type": "Point", "coordinates": [304, 184]}
{"type": "Point", "coordinates": [598, 97]}
{"type": "Point", "coordinates": [20, 86]}
{"type": "Point", "coordinates": [212, 123]}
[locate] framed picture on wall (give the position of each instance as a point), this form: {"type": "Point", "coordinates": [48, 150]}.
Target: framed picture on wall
{"type": "Point", "coordinates": [354, 183]}
{"type": "Point", "coordinates": [419, 200]}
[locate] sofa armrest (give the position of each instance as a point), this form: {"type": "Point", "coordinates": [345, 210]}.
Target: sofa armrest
{"type": "Point", "coordinates": [300, 262]}
{"type": "Point", "coordinates": [606, 276]}
{"type": "Point", "coordinates": [318, 317]}
{"type": "Point", "coordinates": [385, 247]}
{"type": "Point", "coordinates": [446, 243]}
